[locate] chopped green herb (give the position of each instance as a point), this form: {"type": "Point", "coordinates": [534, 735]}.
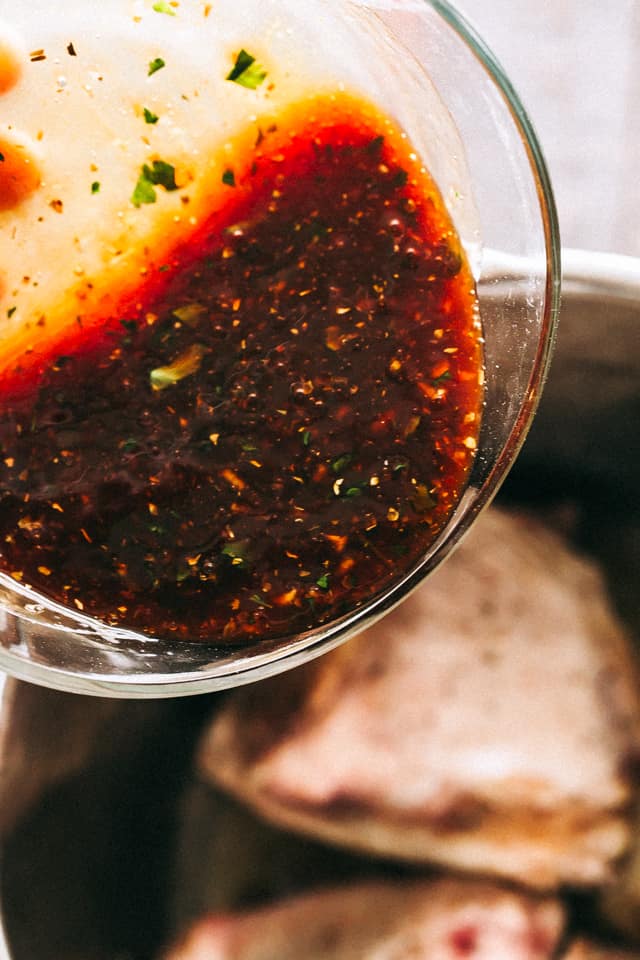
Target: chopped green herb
{"type": "Point", "coordinates": [341, 462]}
{"type": "Point", "coordinates": [162, 174]}
{"type": "Point", "coordinates": [155, 65]}
{"type": "Point", "coordinates": [306, 437]}
{"type": "Point", "coordinates": [256, 598]}
{"type": "Point", "coordinates": [95, 186]}
{"type": "Point", "coordinates": [11, 311]}
{"type": "Point", "coordinates": [149, 117]}
{"type": "Point", "coordinates": [229, 178]}
{"type": "Point", "coordinates": [442, 378]}
{"type": "Point", "coordinates": [128, 446]}
{"type": "Point", "coordinates": [246, 72]}
{"type": "Point", "coordinates": [159, 174]}
{"type": "Point", "coordinates": [422, 501]}
{"type": "Point", "coordinates": [129, 325]}
{"type": "Point", "coordinates": [400, 178]}
{"type": "Point", "coordinates": [376, 144]}
{"type": "Point", "coordinates": [354, 492]}
{"type": "Point", "coordinates": [190, 313]}
{"type": "Point", "coordinates": [164, 268]}
{"type": "Point", "coordinates": [1, 157]}
{"type": "Point", "coordinates": [323, 581]}
{"type": "Point", "coordinates": [163, 7]}
{"type": "Point", "coordinates": [237, 552]}
{"type": "Point", "coordinates": [183, 366]}
{"type": "Point", "coordinates": [143, 192]}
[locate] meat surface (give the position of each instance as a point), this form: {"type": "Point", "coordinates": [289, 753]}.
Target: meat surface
{"type": "Point", "coordinates": [490, 723]}
{"type": "Point", "coordinates": [620, 901]}
{"type": "Point", "coordinates": [584, 950]}
{"type": "Point", "coordinates": [444, 920]}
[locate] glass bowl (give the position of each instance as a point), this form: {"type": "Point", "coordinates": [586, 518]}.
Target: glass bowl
{"type": "Point", "coordinates": [425, 67]}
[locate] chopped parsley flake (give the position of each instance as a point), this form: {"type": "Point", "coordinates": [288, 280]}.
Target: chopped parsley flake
{"type": "Point", "coordinates": [150, 117]}
{"type": "Point", "coordinates": [229, 178]}
{"type": "Point", "coordinates": [162, 174]}
{"type": "Point", "coordinates": [323, 581]}
{"type": "Point", "coordinates": [155, 65]}
{"type": "Point", "coordinates": [163, 7]}
{"type": "Point", "coordinates": [143, 192]}
{"type": "Point", "coordinates": [1, 157]}
{"type": "Point", "coordinates": [95, 186]}
{"type": "Point", "coordinates": [236, 552]}
{"type": "Point", "coordinates": [159, 174]}
{"type": "Point", "coordinates": [256, 598]}
{"type": "Point", "coordinates": [343, 461]}
{"type": "Point", "coordinates": [246, 71]}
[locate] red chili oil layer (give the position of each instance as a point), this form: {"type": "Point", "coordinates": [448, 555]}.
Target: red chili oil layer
{"type": "Point", "coordinates": [281, 421]}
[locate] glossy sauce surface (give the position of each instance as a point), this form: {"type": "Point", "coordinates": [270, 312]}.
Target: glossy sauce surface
{"type": "Point", "coordinates": [279, 422]}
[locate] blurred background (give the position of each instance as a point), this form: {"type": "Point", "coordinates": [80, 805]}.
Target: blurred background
{"type": "Point", "coordinates": [575, 66]}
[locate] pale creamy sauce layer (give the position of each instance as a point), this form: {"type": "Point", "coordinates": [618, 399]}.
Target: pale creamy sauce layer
{"type": "Point", "coordinates": [75, 84]}
{"type": "Point", "coordinates": [77, 90]}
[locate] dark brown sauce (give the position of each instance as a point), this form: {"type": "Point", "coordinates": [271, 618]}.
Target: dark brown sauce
{"type": "Point", "coordinates": [279, 423]}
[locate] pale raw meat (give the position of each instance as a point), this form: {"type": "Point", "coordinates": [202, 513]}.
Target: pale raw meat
{"type": "Point", "coordinates": [489, 723]}
{"type": "Point", "coordinates": [445, 920]}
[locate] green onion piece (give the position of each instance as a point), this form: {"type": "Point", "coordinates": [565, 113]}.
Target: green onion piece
{"type": "Point", "coordinates": [246, 72]}
{"type": "Point", "coordinates": [183, 366]}
{"type": "Point", "coordinates": [191, 313]}
{"type": "Point", "coordinates": [149, 117]}
{"type": "Point", "coordinates": [338, 465]}
{"type": "Point", "coordinates": [143, 192]}
{"type": "Point", "coordinates": [237, 551]}
{"type": "Point", "coordinates": [155, 65]}
{"type": "Point", "coordinates": [159, 174]}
